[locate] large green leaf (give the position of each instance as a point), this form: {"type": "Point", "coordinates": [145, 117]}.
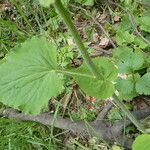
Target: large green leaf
{"type": "Point", "coordinates": [27, 77]}
{"type": "Point", "coordinates": [142, 142]}
{"type": "Point", "coordinates": [102, 88]}
{"type": "Point", "coordinates": [143, 84]}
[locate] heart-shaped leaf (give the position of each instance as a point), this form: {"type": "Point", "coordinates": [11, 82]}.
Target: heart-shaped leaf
{"type": "Point", "coordinates": [28, 78]}
{"type": "Point", "coordinates": [99, 88]}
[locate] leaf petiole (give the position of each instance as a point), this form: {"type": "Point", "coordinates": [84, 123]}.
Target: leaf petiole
{"type": "Point", "coordinates": [72, 73]}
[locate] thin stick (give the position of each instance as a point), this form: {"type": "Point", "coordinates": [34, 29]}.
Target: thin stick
{"type": "Point", "coordinates": [104, 112]}
{"type": "Point", "coordinates": [128, 113]}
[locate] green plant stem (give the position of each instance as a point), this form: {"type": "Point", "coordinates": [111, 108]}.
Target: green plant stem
{"type": "Point", "coordinates": [67, 19]}
{"type": "Point", "coordinates": [71, 73]}
{"type": "Point", "coordinates": [128, 113]}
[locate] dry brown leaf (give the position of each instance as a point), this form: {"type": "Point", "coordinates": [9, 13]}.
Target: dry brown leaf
{"type": "Point", "coordinates": [117, 18]}
{"type": "Point", "coordinates": [4, 7]}
{"type": "Point", "coordinates": [104, 42]}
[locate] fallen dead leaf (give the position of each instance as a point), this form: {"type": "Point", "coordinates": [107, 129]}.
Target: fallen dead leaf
{"type": "Point", "coordinates": [95, 37]}
{"type": "Point", "coordinates": [123, 75]}
{"type": "Point", "coordinates": [104, 42]}
{"type": "Point", "coordinates": [117, 18]}
{"type": "Point", "coordinates": [91, 99]}
{"type": "Point", "coordinates": [70, 41]}
{"type": "Point", "coordinates": [4, 7]}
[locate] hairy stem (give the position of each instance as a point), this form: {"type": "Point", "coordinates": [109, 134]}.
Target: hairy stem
{"type": "Point", "coordinates": [67, 19]}
{"type": "Point", "coordinates": [128, 113]}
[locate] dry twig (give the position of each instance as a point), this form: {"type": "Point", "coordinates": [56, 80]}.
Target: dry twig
{"type": "Point", "coordinates": [99, 128]}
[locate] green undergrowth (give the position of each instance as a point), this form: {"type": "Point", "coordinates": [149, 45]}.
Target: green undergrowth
{"type": "Point", "coordinates": [21, 21]}
{"type": "Point", "coordinates": [28, 23]}
{"type": "Point", "coordinates": [17, 135]}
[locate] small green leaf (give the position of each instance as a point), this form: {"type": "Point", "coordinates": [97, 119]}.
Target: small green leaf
{"type": "Point", "coordinates": [128, 60]}
{"type": "Point", "coordinates": [140, 43]}
{"type": "Point", "coordinates": [115, 147]}
{"type": "Point", "coordinates": [89, 2]}
{"type": "Point", "coordinates": [115, 114]}
{"type": "Point", "coordinates": [125, 24]}
{"type": "Point", "coordinates": [144, 23]}
{"type": "Point", "coordinates": [124, 37]}
{"type": "Point", "coordinates": [27, 77]}
{"type": "Point", "coordinates": [125, 87]}
{"type": "Point", "coordinates": [142, 142]}
{"type": "Point", "coordinates": [46, 3]}
{"type": "Point", "coordinates": [128, 2]}
{"type": "Point", "coordinates": [143, 84]}
{"type": "Point", "coordinates": [102, 88]}
{"type": "Point", "coordinates": [121, 49]}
